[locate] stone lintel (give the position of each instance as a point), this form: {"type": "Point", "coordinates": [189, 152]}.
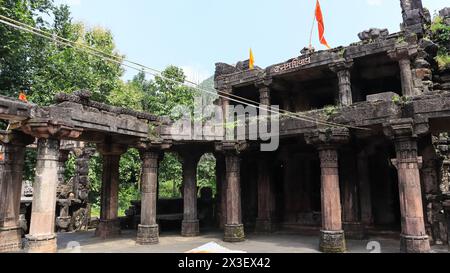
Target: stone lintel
{"type": "Point", "coordinates": [111, 149]}
{"type": "Point", "coordinates": [264, 82]}
{"type": "Point", "coordinates": [232, 147]}
{"type": "Point", "coordinates": [341, 64]}
{"type": "Point", "coordinates": [46, 128]}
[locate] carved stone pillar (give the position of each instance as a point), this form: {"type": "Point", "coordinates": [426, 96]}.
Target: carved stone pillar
{"type": "Point", "coordinates": [148, 230]}
{"type": "Point", "coordinates": [332, 238]}
{"type": "Point", "coordinates": [190, 226]}
{"type": "Point", "coordinates": [225, 102]}
{"type": "Point", "coordinates": [11, 172]}
{"type": "Point", "coordinates": [234, 228]}
{"type": "Point", "coordinates": [413, 238]}
{"type": "Point", "coordinates": [265, 197]}
{"type": "Point", "coordinates": [109, 225]}
{"type": "Point", "coordinates": [264, 91]}
{"type": "Point", "coordinates": [42, 237]}
{"type": "Point", "coordinates": [403, 54]}
{"type": "Point", "coordinates": [342, 69]}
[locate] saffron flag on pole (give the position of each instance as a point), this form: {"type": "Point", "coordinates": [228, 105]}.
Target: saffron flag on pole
{"type": "Point", "coordinates": [23, 97]}
{"type": "Point", "coordinates": [319, 18]}
{"type": "Point", "coordinates": [251, 63]}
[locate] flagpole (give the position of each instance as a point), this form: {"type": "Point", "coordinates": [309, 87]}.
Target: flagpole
{"type": "Point", "coordinates": [312, 29]}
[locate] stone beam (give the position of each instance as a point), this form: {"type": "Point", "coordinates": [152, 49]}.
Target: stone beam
{"type": "Point", "coordinates": [14, 110]}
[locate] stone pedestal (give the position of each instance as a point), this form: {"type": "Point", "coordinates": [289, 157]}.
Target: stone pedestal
{"type": "Point", "coordinates": [234, 233]}
{"type": "Point", "coordinates": [10, 239]}
{"type": "Point", "coordinates": [148, 230]}
{"type": "Point", "coordinates": [109, 225]}
{"type": "Point", "coordinates": [42, 236]}
{"type": "Point", "coordinates": [413, 238]}
{"type": "Point", "coordinates": [147, 235]}
{"type": "Point", "coordinates": [332, 241]}
{"type": "Point", "coordinates": [11, 173]}
{"type": "Point", "coordinates": [332, 235]}
{"type": "Point", "coordinates": [190, 224]}
{"type": "Point", "coordinates": [41, 244]}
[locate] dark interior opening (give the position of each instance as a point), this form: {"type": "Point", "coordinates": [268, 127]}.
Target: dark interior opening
{"type": "Point", "coordinates": [384, 189]}
{"type": "Point", "coordinates": [375, 74]}
{"type": "Point", "coordinates": [307, 90]}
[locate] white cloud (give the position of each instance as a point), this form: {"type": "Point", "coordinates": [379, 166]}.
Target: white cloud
{"type": "Point", "coordinates": [375, 2]}
{"type": "Point", "coordinates": [195, 74]}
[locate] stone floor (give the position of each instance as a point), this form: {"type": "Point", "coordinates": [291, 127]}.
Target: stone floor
{"type": "Point", "coordinates": [85, 242]}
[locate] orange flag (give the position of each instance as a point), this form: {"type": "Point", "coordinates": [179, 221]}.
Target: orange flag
{"type": "Point", "coordinates": [23, 97]}
{"type": "Point", "coordinates": [319, 18]}
{"type": "Point", "coordinates": [251, 63]}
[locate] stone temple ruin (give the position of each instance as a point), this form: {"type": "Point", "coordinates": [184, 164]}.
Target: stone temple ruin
{"type": "Point", "coordinates": [336, 182]}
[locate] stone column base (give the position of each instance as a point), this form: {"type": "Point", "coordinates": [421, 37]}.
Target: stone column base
{"type": "Point", "coordinates": [234, 233]}
{"type": "Point", "coordinates": [354, 230]}
{"type": "Point", "coordinates": [147, 235]}
{"type": "Point", "coordinates": [414, 244]}
{"type": "Point", "coordinates": [41, 244]}
{"type": "Point", "coordinates": [108, 229]}
{"type": "Point", "coordinates": [190, 228]}
{"type": "Point", "coordinates": [10, 239]}
{"type": "Point", "coordinates": [263, 226]}
{"type": "Point", "coordinates": [332, 241]}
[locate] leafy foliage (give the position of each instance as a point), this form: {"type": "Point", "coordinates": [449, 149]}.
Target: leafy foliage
{"type": "Point", "coordinates": [43, 68]}
{"type": "Point", "coordinates": [440, 34]}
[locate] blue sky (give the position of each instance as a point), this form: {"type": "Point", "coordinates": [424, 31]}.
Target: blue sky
{"type": "Point", "coordinates": [195, 34]}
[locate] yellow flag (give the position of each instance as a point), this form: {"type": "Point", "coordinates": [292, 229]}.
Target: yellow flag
{"type": "Point", "coordinates": [251, 63]}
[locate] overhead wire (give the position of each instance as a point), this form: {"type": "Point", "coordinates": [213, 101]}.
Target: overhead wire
{"type": "Point", "coordinates": [156, 73]}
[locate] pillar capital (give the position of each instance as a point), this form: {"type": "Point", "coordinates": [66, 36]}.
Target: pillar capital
{"type": "Point", "coordinates": [400, 128]}
{"type": "Point", "coordinates": [403, 51]}
{"type": "Point", "coordinates": [330, 138]}
{"type": "Point", "coordinates": [111, 149]}
{"type": "Point", "coordinates": [231, 147]}
{"type": "Point", "coordinates": [15, 138]}
{"type": "Point", "coordinates": [341, 65]}
{"type": "Point", "coordinates": [263, 82]}
{"type": "Point", "coordinates": [44, 128]}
